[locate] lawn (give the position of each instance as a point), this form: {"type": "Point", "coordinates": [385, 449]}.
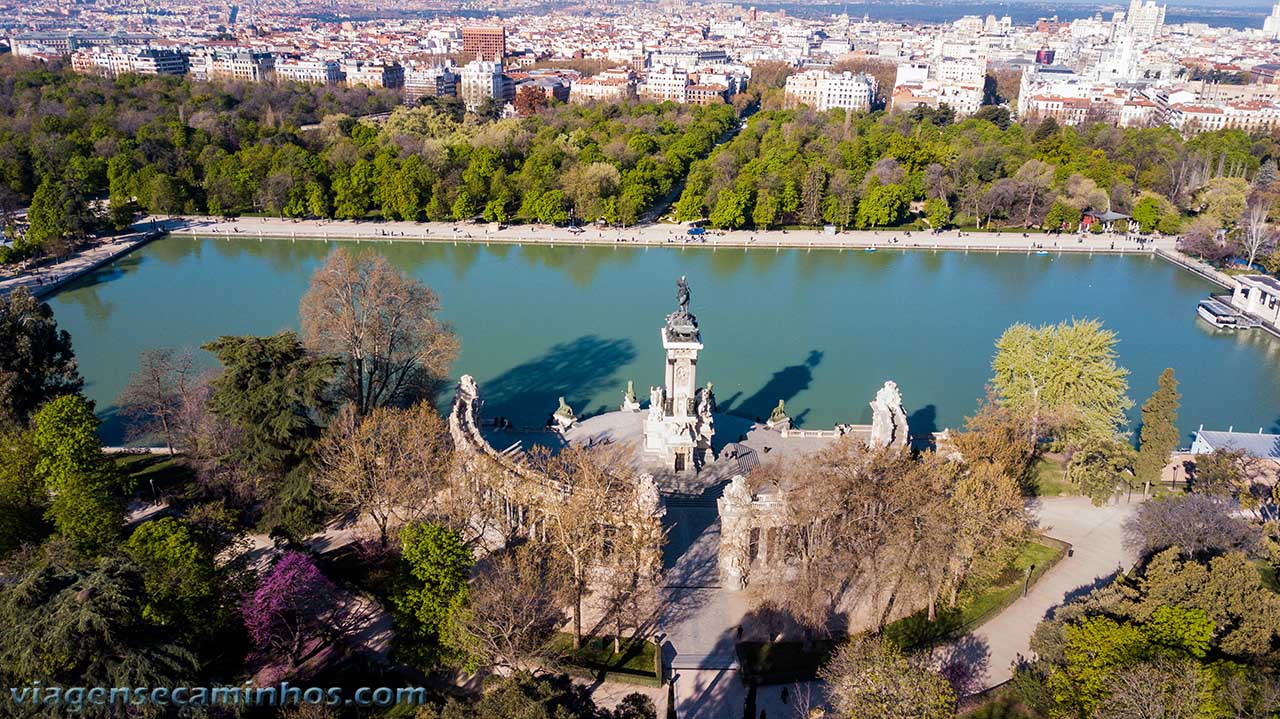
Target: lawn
{"type": "Point", "coordinates": [165, 472]}
{"type": "Point", "coordinates": [596, 658]}
{"type": "Point", "coordinates": [782, 662]}
{"type": "Point", "coordinates": [1048, 477]}
{"type": "Point", "coordinates": [975, 605]}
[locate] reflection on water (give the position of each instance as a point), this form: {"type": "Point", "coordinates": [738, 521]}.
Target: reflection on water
{"type": "Point", "coordinates": [820, 329]}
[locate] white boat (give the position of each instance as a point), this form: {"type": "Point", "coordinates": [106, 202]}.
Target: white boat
{"type": "Point", "coordinates": [1220, 314]}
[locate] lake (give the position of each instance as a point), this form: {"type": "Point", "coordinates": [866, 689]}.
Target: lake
{"type": "Point", "coordinates": [821, 329]}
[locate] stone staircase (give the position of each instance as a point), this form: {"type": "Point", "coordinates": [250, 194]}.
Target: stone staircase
{"type": "Point", "coordinates": [719, 660]}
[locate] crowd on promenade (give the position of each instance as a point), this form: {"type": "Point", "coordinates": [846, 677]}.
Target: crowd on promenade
{"type": "Point", "coordinates": [666, 234]}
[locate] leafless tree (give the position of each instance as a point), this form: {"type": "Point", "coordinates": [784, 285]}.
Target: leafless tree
{"type": "Point", "coordinates": [594, 494]}
{"type": "Point", "coordinates": [1198, 524]}
{"type": "Point", "coordinates": [515, 605]}
{"type": "Point", "coordinates": [870, 678]}
{"type": "Point", "coordinates": [1258, 235]}
{"type": "Point", "coordinates": [156, 393]}
{"type": "Point", "coordinates": [383, 324]}
{"type": "Point", "coordinates": [388, 465]}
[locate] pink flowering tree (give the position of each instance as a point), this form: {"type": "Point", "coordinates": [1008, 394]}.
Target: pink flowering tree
{"type": "Point", "coordinates": [294, 614]}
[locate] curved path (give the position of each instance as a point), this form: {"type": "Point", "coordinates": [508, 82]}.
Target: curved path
{"type": "Point", "coordinates": [1098, 553]}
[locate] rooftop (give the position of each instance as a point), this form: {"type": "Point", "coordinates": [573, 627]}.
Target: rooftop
{"type": "Point", "coordinates": [1262, 446]}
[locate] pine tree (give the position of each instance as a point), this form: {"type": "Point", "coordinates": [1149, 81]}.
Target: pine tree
{"type": "Point", "coordinates": [1159, 436]}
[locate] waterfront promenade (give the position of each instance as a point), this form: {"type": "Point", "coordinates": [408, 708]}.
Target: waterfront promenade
{"type": "Point", "coordinates": [46, 278]}
{"type": "Point", "coordinates": [661, 235]}
{"type": "Point", "coordinates": [49, 277]}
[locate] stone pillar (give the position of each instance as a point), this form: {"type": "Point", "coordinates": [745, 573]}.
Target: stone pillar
{"type": "Point", "coordinates": [735, 534]}
{"type": "Point", "coordinates": [681, 376]}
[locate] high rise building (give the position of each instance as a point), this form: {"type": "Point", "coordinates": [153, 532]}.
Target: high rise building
{"type": "Point", "coordinates": [487, 43]}
{"type": "Point", "coordinates": [1271, 26]}
{"type": "Point", "coordinates": [1145, 19]}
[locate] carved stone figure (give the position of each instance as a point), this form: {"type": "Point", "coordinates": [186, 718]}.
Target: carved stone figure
{"type": "Point", "coordinates": [778, 418]}
{"type": "Point", "coordinates": [888, 418]}
{"type": "Point", "coordinates": [629, 401]}
{"type": "Point", "coordinates": [657, 400]}
{"type": "Point", "coordinates": [681, 324]}
{"type": "Point", "coordinates": [564, 416]}
{"type": "Point", "coordinates": [779, 413]}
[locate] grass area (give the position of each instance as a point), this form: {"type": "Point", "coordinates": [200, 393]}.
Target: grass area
{"type": "Point", "coordinates": [596, 658]}
{"type": "Point", "coordinates": [975, 605]}
{"type": "Point", "coordinates": [1048, 477]}
{"type": "Point", "coordinates": [166, 472]}
{"type": "Point", "coordinates": [789, 661]}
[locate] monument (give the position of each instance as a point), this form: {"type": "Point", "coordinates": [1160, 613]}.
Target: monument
{"type": "Point", "coordinates": [888, 418]}
{"type": "Point", "coordinates": [629, 401]}
{"type": "Point", "coordinates": [678, 428]}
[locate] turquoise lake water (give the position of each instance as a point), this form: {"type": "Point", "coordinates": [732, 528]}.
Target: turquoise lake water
{"type": "Point", "coordinates": [822, 329]}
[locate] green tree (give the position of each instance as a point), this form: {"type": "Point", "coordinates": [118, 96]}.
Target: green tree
{"type": "Point", "coordinates": [432, 588]}
{"type": "Point", "coordinates": [1063, 375]}
{"type": "Point", "coordinates": [36, 361]}
{"type": "Point", "coordinates": [882, 205]}
{"type": "Point", "coordinates": [1093, 649]}
{"type": "Point", "coordinates": [273, 391]}
{"type": "Point", "coordinates": [1062, 216]}
{"type": "Point", "coordinates": [23, 498]}
{"type": "Point", "coordinates": [937, 212]}
{"type": "Point", "coordinates": [83, 625]}
{"type": "Point", "coordinates": [178, 573]}
{"type": "Point", "coordinates": [1159, 435]}
{"type": "Point", "coordinates": [550, 208]}
{"type": "Point", "coordinates": [48, 216]}
{"type": "Point", "coordinates": [86, 506]}
{"type": "Point", "coordinates": [765, 214]}
{"type": "Point", "coordinates": [1100, 467]}
{"type": "Point", "coordinates": [731, 208]}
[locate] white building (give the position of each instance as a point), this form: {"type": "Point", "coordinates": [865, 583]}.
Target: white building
{"type": "Point", "coordinates": [110, 62]}
{"type": "Point", "coordinates": [1271, 26]}
{"type": "Point", "coordinates": [823, 90]}
{"type": "Point", "coordinates": [429, 81]}
{"type": "Point", "coordinates": [666, 83]}
{"type": "Point", "coordinates": [613, 85]}
{"type": "Point", "coordinates": [1258, 296]}
{"type": "Point", "coordinates": [483, 80]}
{"type": "Point", "coordinates": [312, 72]}
{"type": "Point", "coordinates": [1145, 19]}
{"type": "Point", "coordinates": [243, 65]}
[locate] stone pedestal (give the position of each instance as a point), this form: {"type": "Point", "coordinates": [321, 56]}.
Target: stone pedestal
{"type": "Point", "coordinates": [672, 433]}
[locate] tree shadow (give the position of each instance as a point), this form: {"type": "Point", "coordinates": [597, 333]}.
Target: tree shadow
{"type": "Point", "coordinates": [1082, 591]}
{"type": "Point", "coordinates": [784, 385]}
{"type": "Point", "coordinates": [964, 663]}
{"type": "Point", "coordinates": [576, 370]}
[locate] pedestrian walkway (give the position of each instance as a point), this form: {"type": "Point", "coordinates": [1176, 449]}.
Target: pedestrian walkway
{"type": "Point", "coordinates": [46, 279]}
{"type": "Point", "coordinates": [659, 235]}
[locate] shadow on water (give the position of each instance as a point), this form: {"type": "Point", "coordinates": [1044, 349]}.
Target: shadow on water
{"type": "Point", "coordinates": [114, 428]}
{"type": "Point", "coordinates": [784, 385]}
{"type": "Point", "coordinates": [576, 370]}
{"type": "Point", "coordinates": [923, 420]}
